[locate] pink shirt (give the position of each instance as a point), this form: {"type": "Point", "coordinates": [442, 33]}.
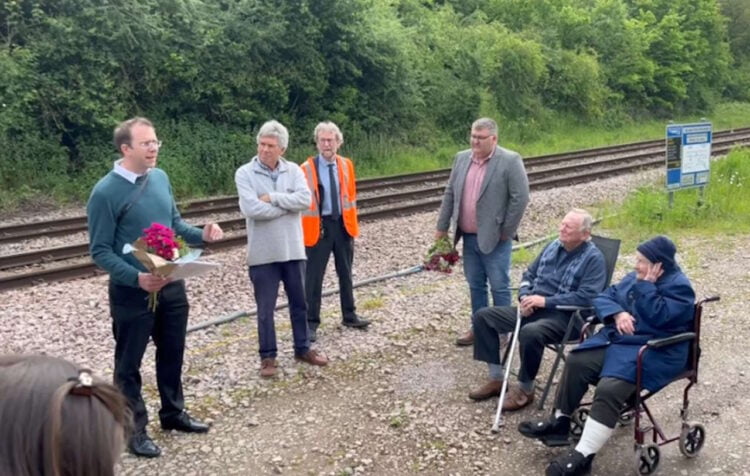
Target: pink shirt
{"type": "Point", "coordinates": [467, 216]}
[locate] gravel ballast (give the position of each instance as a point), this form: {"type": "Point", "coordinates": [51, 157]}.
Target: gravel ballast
{"type": "Point", "coordinates": [393, 400]}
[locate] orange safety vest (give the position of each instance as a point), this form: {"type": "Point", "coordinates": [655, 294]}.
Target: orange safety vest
{"type": "Point", "coordinates": [311, 222]}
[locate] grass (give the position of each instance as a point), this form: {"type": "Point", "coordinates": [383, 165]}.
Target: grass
{"type": "Point", "coordinates": [567, 135]}
{"type": "Point", "coordinates": [377, 155]}
{"type": "Point", "coordinates": [724, 208]}
{"type": "Point", "coordinates": [372, 303]}
{"type": "Point", "coordinates": [201, 158]}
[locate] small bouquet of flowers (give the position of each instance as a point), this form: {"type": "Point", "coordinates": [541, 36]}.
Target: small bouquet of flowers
{"type": "Point", "coordinates": [163, 253]}
{"type": "Point", "coordinates": [441, 256]}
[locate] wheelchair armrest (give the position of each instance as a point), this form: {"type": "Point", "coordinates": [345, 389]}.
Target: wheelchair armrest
{"type": "Point", "coordinates": [676, 339]}
{"type": "Point", "coordinates": [570, 308]}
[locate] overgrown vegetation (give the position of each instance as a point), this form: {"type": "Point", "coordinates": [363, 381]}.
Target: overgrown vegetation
{"type": "Point", "coordinates": [723, 208]}
{"type": "Point", "coordinates": [403, 78]}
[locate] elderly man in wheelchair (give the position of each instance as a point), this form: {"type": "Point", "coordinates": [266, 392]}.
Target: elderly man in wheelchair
{"type": "Point", "coordinates": [655, 301]}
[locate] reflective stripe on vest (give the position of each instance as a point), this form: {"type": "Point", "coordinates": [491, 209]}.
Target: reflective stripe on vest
{"type": "Point", "coordinates": [311, 222]}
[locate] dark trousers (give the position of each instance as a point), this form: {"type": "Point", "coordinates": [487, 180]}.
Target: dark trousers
{"type": "Point", "coordinates": [581, 370]}
{"type": "Point", "coordinates": [545, 326]}
{"type": "Point", "coordinates": [132, 325]}
{"type": "Point", "coordinates": [265, 279]}
{"type": "Point", "coordinates": [335, 239]}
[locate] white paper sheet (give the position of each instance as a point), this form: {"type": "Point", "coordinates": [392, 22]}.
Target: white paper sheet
{"type": "Point", "coordinates": [193, 268]}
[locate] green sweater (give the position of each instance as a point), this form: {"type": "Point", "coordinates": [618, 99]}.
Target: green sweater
{"type": "Point", "coordinates": [107, 237]}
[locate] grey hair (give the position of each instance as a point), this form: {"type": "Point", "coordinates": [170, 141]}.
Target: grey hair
{"type": "Point", "coordinates": [274, 129]}
{"type": "Point", "coordinates": [588, 221]}
{"type": "Point", "coordinates": [486, 124]}
{"type": "Point", "coordinates": [328, 126]}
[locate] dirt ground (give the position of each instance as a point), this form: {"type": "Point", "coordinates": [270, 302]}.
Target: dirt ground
{"type": "Point", "coordinates": [394, 398]}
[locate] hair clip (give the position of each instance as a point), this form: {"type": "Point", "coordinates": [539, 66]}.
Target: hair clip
{"type": "Point", "coordinates": [84, 382]}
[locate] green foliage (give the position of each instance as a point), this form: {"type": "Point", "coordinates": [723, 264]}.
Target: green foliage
{"type": "Point", "coordinates": [403, 78]}
{"type": "Point", "coordinates": [724, 207]}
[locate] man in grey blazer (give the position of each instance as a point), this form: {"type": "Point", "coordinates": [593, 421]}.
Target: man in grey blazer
{"type": "Point", "coordinates": [484, 200]}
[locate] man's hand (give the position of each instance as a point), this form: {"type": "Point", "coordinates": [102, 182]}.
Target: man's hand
{"type": "Point", "coordinates": [531, 303]}
{"type": "Point", "coordinates": [625, 323]}
{"type": "Point", "coordinates": [654, 272]}
{"type": "Point", "coordinates": [151, 282]}
{"type": "Point", "coordinates": [440, 234]}
{"type": "Point", "coordinates": [212, 232]}
{"type": "Point", "coordinates": [265, 198]}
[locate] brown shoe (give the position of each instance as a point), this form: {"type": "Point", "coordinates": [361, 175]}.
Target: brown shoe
{"type": "Point", "coordinates": [268, 367]}
{"type": "Point", "coordinates": [466, 339]}
{"type": "Point", "coordinates": [516, 399]}
{"type": "Point", "coordinates": [313, 357]}
{"type": "Point", "coordinates": [488, 390]}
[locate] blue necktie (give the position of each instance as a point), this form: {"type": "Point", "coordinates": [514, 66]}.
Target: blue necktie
{"type": "Point", "coordinates": [335, 212]}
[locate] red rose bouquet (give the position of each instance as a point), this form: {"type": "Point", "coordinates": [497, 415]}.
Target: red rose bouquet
{"type": "Point", "coordinates": [441, 256]}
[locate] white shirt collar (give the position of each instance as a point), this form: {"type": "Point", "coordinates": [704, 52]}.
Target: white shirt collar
{"type": "Point", "coordinates": [125, 173]}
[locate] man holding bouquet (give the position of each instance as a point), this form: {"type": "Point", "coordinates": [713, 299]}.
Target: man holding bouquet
{"type": "Point", "coordinates": [129, 199]}
{"type": "Point", "coordinates": [484, 200]}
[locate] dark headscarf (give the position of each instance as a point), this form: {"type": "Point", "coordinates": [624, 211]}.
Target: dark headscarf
{"type": "Point", "coordinates": [660, 249]}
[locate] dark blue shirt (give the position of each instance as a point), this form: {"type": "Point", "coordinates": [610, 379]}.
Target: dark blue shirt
{"type": "Point", "coordinates": [588, 281]}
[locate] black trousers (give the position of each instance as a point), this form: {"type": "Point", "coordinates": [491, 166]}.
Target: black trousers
{"type": "Point", "coordinates": [581, 370]}
{"type": "Point", "coordinates": [132, 325]}
{"type": "Point", "coordinates": [335, 239]}
{"type": "Point", "coordinates": [544, 326]}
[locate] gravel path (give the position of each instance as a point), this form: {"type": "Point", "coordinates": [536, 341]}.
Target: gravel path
{"type": "Point", "coordinates": [393, 400]}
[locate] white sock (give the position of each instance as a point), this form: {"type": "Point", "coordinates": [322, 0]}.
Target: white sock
{"type": "Point", "coordinates": [559, 413]}
{"type": "Point", "coordinates": [594, 436]}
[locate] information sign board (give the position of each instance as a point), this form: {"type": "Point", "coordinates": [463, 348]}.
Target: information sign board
{"type": "Point", "coordinates": [688, 154]}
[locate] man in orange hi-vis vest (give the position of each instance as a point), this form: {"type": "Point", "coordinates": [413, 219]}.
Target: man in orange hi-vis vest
{"type": "Point", "coordinates": [330, 225]}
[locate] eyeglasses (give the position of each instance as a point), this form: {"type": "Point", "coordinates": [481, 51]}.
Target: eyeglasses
{"type": "Point", "coordinates": [479, 138]}
{"type": "Point", "coordinates": [151, 144]}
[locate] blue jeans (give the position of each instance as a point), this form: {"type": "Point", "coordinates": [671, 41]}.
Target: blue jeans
{"type": "Point", "coordinates": [265, 279]}
{"type": "Point", "coordinates": [480, 267]}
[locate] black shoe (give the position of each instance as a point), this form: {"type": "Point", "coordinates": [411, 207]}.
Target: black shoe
{"type": "Point", "coordinates": [313, 334]}
{"type": "Point", "coordinates": [552, 432]}
{"type": "Point", "coordinates": [356, 322]}
{"type": "Point", "coordinates": [184, 422]}
{"type": "Point", "coordinates": [571, 463]}
{"type": "Point", "coordinates": [140, 444]}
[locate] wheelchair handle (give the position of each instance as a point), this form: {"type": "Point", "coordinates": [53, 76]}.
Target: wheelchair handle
{"type": "Point", "coordinates": [709, 299]}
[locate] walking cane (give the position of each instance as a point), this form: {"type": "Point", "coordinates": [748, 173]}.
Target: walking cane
{"type": "Point", "coordinates": [498, 415]}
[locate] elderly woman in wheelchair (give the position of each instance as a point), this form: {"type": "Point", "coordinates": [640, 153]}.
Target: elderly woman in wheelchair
{"type": "Point", "coordinates": [655, 301]}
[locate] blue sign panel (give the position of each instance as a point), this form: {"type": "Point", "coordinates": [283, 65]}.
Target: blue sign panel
{"type": "Point", "coordinates": [688, 155]}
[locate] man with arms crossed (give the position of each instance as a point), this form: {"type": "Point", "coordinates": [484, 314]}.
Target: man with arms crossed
{"type": "Point", "coordinates": [272, 194]}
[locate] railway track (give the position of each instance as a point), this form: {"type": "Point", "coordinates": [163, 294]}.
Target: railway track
{"type": "Point", "coordinates": [218, 205]}
{"type": "Point", "coordinates": [372, 208]}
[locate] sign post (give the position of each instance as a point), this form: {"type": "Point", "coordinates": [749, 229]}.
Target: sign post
{"type": "Point", "coordinates": [688, 156]}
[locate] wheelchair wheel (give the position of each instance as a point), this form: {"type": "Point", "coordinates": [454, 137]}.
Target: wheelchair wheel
{"type": "Point", "coordinates": [692, 437]}
{"type": "Point", "coordinates": [647, 458]}
{"type": "Point", "coordinates": [577, 421]}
